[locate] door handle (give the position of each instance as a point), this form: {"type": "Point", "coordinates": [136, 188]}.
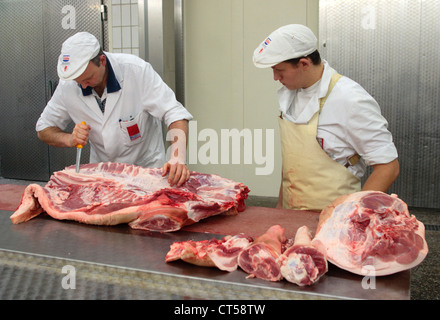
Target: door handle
{"type": "Point", "coordinates": [52, 86]}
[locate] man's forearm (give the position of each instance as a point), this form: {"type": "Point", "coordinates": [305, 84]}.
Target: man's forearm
{"type": "Point", "coordinates": [382, 177]}
{"type": "Point", "coordinates": [178, 131]}
{"type": "Point", "coordinates": [55, 137]}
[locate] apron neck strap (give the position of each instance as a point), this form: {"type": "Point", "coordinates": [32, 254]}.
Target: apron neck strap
{"type": "Point", "coordinates": [335, 78]}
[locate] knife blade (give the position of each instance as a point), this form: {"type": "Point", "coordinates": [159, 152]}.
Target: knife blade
{"type": "Point", "coordinates": [78, 153]}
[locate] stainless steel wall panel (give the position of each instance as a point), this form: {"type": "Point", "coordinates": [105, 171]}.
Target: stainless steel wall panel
{"type": "Point", "coordinates": [22, 90]}
{"type": "Point", "coordinates": [428, 142]}
{"type": "Point", "coordinates": [179, 54]}
{"type": "Point", "coordinates": [31, 37]}
{"type": "Point", "coordinates": [392, 49]}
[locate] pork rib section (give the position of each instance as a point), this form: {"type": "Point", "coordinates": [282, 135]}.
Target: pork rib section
{"type": "Point", "coordinates": [302, 263]}
{"type": "Point", "coordinates": [210, 253]}
{"type": "Point", "coordinates": [371, 231]}
{"type": "Point", "coordinates": [114, 193]}
{"type": "Point", "coordinates": [260, 258]}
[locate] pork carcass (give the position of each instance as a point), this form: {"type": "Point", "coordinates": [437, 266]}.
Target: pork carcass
{"type": "Point", "coordinates": [260, 258]}
{"type": "Point", "coordinates": [302, 263]}
{"type": "Point", "coordinates": [114, 193]}
{"type": "Point", "coordinates": [210, 253]}
{"type": "Point", "coordinates": [371, 232]}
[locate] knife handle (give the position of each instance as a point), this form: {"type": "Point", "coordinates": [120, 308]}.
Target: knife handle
{"type": "Point", "coordinates": [79, 146]}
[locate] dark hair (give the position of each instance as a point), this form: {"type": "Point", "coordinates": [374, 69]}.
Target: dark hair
{"type": "Point", "coordinates": [96, 60]}
{"type": "Point", "coordinates": [314, 56]}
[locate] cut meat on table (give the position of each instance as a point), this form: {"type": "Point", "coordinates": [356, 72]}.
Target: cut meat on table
{"type": "Point", "coordinates": [225, 254]}
{"type": "Point", "coordinates": [194, 252]}
{"type": "Point", "coordinates": [371, 233]}
{"type": "Point", "coordinates": [302, 263]}
{"type": "Point", "coordinates": [115, 193]}
{"type": "Point", "coordinates": [210, 253]}
{"type": "Point", "coordinates": [260, 258]}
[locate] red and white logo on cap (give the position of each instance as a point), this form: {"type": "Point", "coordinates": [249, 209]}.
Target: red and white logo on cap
{"type": "Point", "coordinates": [265, 44]}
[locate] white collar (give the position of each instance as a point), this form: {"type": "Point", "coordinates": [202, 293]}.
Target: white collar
{"type": "Point", "coordinates": [286, 97]}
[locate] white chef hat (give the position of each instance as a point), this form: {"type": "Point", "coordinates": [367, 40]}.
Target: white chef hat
{"type": "Point", "coordinates": [76, 53]}
{"type": "Point", "coordinates": [288, 42]}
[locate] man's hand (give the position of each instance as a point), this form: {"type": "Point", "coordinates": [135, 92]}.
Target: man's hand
{"type": "Point", "coordinates": [178, 173]}
{"type": "Point", "coordinates": [80, 134]}
{"type": "Point", "coordinates": [56, 137]}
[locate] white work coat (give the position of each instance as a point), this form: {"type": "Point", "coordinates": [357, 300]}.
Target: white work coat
{"type": "Point", "coordinates": [130, 130]}
{"type": "Point", "coordinates": [350, 122]}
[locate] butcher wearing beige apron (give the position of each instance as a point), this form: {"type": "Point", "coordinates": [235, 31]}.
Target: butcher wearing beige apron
{"type": "Point", "coordinates": [311, 179]}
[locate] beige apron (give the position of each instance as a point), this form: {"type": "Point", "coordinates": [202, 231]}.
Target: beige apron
{"type": "Point", "coordinates": [311, 179]}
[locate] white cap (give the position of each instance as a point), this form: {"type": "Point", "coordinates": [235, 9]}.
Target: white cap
{"type": "Point", "coordinates": [288, 42]}
{"type": "Point", "coordinates": [76, 53]}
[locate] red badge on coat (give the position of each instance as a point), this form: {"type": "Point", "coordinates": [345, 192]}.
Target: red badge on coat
{"type": "Point", "coordinates": [133, 132]}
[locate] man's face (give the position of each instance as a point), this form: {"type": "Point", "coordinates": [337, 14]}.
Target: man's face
{"type": "Point", "coordinates": [93, 75]}
{"type": "Point", "coordinates": [288, 75]}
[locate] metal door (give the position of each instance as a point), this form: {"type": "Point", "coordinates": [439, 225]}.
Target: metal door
{"type": "Point", "coordinates": [392, 49]}
{"type": "Point", "coordinates": [31, 38]}
{"type": "Point", "coordinates": [22, 90]}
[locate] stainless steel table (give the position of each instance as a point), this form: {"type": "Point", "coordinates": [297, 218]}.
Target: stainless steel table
{"type": "Point", "coordinates": [39, 258]}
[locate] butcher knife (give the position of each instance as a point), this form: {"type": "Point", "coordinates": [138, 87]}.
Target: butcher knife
{"type": "Point", "coordinates": [78, 153]}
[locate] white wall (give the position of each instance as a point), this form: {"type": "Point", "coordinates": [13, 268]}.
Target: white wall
{"type": "Point", "coordinates": [123, 26]}
{"type": "Point", "coordinates": [223, 89]}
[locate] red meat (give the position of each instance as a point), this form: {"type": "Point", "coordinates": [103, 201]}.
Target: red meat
{"type": "Point", "coordinates": [210, 253]}
{"type": "Point", "coordinates": [371, 232]}
{"type": "Point", "coordinates": [260, 258]}
{"type": "Point", "coordinates": [114, 193]}
{"type": "Point", "coordinates": [302, 263]}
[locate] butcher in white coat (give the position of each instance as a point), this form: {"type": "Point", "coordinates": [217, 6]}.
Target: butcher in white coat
{"type": "Point", "coordinates": [331, 128]}
{"type": "Point", "coordinates": [123, 102]}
